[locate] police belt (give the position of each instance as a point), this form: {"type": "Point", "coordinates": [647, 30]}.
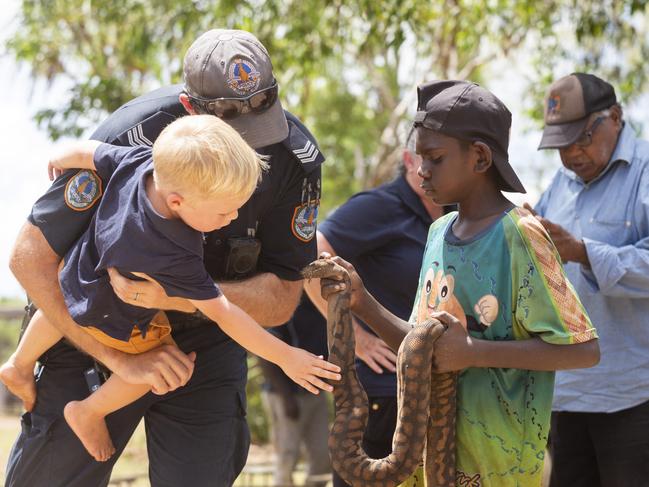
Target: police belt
{"type": "Point", "coordinates": [184, 321]}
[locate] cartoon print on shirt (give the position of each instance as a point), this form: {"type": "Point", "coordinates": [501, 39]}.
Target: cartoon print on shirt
{"type": "Point", "coordinates": [437, 294]}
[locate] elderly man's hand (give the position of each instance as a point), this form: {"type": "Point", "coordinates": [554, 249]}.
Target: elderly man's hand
{"type": "Point", "coordinates": [570, 249]}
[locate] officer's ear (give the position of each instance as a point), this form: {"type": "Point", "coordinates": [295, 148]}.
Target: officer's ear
{"type": "Point", "coordinates": [184, 99]}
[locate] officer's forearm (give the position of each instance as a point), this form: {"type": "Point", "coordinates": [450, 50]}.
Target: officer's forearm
{"type": "Point", "coordinates": [35, 265]}
{"type": "Point", "coordinates": [270, 300]}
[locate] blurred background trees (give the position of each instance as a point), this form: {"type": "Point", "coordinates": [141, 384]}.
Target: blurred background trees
{"type": "Point", "coordinates": [347, 68]}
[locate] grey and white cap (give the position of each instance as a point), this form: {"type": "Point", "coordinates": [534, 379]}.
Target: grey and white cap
{"type": "Point", "coordinates": [224, 63]}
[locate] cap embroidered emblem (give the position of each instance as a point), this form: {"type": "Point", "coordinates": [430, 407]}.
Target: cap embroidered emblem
{"type": "Point", "coordinates": [554, 105]}
{"type": "Point", "coordinates": [243, 78]}
{"type": "Point", "coordinates": [83, 190]}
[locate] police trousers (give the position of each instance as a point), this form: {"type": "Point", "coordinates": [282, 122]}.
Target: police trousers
{"type": "Point", "coordinates": [196, 435]}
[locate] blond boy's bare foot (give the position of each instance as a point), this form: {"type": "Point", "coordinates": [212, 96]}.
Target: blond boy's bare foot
{"type": "Point", "coordinates": [91, 430]}
{"type": "Point", "coordinates": [20, 382]}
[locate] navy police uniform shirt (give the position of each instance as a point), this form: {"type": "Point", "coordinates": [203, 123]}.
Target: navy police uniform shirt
{"type": "Point", "coordinates": [382, 232]}
{"type": "Point", "coordinates": [127, 233]}
{"type": "Point", "coordinates": [281, 215]}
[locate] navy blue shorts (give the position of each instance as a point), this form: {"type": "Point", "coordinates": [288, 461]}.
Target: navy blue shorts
{"type": "Point", "coordinates": [196, 435]}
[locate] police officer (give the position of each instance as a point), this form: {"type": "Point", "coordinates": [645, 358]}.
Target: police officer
{"type": "Point", "coordinates": [296, 416]}
{"type": "Point", "coordinates": [196, 435]}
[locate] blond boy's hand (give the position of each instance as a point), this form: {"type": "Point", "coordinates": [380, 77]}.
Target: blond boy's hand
{"type": "Point", "coordinates": [308, 370]}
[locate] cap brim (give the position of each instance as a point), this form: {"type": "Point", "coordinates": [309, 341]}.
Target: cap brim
{"type": "Point", "coordinates": [262, 129]}
{"type": "Point", "coordinates": [562, 135]}
{"type": "Point", "coordinates": [510, 180]}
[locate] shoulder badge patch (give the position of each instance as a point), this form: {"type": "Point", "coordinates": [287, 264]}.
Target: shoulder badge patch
{"type": "Point", "coordinates": [83, 190]}
{"type": "Point", "coordinates": [243, 78]}
{"type": "Point", "coordinates": [305, 220]}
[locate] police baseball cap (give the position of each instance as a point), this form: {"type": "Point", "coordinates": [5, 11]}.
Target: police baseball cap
{"type": "Point", "coordinates": [225, 63]}
{"type": "Point", "coordinates": [568, 104]}
{"type": "Point", "coordinates": [466, 111]}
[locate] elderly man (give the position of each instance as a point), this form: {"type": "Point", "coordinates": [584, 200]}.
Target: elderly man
{"type": "Point", "coordinates": [597, 212]}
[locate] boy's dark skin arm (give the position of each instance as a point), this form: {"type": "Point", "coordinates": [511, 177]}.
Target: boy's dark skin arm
{"type": "Point", "coordinates": [456, 349]}
{"type": "Point", "coordinates": [35, 265]}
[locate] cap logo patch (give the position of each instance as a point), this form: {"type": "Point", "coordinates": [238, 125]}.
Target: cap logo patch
{"type": "Point", "coordinates": [305, 220]}
{"type": "Point", "coordinates": [243, 78]}
{"type": "Point", "coordinates": [83, 190]}
{"type": "Point", "coordinates": [554, 105]}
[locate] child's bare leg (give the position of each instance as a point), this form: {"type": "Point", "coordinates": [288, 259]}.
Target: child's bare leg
{"type": "Point", "coordinates": [18, 372]}
{"type": "Point", "coordinates": [87, 417]}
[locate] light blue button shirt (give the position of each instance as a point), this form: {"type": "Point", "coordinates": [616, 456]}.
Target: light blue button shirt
{"type": "Point", "coordinates": [611, 215]}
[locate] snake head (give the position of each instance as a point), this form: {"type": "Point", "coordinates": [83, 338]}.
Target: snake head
{"type": "Point", "coordinates": [325, 268]}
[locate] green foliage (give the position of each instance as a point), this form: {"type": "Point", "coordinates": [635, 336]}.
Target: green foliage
{"type": "Point", "coordinates": [256, 414]}
{"type": "Point", "coordinates": [343, 66]}
{"type": "Point", "coordinates": [9, 332]}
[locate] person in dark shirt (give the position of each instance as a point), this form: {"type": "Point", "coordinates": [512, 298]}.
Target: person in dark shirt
{"type": "Point", "coordinates": [383, 233]}
{"type": "Point", "coordinates": [297, 418]}
{"type": "Point", "coordinates": [151, 218]}
{"type": "Point", "coordinates": [256, 261]}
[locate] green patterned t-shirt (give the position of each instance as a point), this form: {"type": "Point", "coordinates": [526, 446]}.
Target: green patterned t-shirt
{"type": "Point", "coordinates": [507, 283]}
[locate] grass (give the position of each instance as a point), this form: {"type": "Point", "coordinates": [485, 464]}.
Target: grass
{"type": "Point", "coordinates": [134, 462]}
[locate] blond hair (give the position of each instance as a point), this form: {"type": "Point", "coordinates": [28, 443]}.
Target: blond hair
{"type": "Point", "coordinates": [202, 156]}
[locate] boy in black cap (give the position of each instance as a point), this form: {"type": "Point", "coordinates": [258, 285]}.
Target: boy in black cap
{"type": "Point", "coordinates": [491, 274]}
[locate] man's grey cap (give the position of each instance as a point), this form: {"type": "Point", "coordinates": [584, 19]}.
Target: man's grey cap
{"type": "Point", "coordinates": [568, 104]}
{"type": "Point", "coordinates": [225, 63]}
{"type": "Point", "coordinates": [466, 111]}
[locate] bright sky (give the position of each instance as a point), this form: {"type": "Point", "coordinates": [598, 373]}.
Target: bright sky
{"type": "Point", "coordinates": [25, 149]}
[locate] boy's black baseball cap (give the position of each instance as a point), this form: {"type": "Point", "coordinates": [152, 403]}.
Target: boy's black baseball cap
{"type": "Point", "coordinates": [465, 110]}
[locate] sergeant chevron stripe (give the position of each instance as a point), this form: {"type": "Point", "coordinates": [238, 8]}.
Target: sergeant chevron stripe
{"type": "Point", "coordinates": [136, 136]}
{"type": "Point", "coordinates": [308, 153]}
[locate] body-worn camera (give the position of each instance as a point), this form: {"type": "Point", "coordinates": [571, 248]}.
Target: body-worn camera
{"type": "Point", "coordinates": [241, 257]}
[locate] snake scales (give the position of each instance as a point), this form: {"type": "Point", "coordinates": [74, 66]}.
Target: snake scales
{"type": "Point", "coordinates": [425, 400]}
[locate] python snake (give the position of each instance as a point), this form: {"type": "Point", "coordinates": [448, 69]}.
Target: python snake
{"type": "Point", "coordinates": [426, 401]}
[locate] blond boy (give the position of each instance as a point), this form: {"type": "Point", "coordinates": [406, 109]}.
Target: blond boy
{"type": "Point", "coordinates": [150, 223]}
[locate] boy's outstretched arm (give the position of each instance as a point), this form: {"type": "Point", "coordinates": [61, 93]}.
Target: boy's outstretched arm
{"type": "Point", "coordinates": [78, 155]}
{"type": "Point", "coordinates": [457, 350]}
{"type": "Point", "coordinates": [302, 367]}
